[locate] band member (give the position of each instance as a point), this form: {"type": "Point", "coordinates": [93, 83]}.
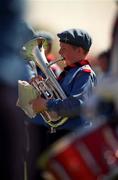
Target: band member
{"type": "Point", "coordinates": [104, 63]}
{"type": "Point", "coordinates": [12, 133]}
{"type": "Point", "coordinates": [77, 81]}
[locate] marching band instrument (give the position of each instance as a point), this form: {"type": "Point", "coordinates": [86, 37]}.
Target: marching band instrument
{"type": "Point", "coordinates": [89, 155]}
{"type": "Point", "coordinates": [48, 87]}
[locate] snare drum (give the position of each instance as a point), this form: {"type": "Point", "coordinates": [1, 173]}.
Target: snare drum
{"type": "Point", "coordinates": [90, 155]}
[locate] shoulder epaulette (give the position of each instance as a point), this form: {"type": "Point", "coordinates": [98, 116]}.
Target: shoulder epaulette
{"type": "Point", "coordinates": [86, 68]}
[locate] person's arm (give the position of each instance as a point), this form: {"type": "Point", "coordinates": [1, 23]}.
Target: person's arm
{"type": "Point", "coordinates": [70, 106]}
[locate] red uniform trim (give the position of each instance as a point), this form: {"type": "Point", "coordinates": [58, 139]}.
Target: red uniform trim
{"type": "Point", "coordinates": [87, 70]}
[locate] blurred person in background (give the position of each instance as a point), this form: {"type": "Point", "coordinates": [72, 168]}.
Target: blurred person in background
{"type": "Point", "coordinates": [103, 62]}
{"type": "Point", "coordinates": [13, 137]}
{"type": "Point", "coordinates": [114, 44]}
{"type": "Point", "coordinates": [107, 101]}
{"type": "Point", "coordinates": [108, 62]}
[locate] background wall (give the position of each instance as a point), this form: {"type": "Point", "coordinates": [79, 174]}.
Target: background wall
{"type": "Point", "coordinates": [95, 16]}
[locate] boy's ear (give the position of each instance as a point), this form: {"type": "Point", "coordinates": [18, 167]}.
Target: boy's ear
{"type": "Point", "coordinates": [81, 50]}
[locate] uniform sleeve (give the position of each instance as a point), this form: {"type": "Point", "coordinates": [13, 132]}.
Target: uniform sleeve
{"type": "Point", "coordinates": [71, 106]}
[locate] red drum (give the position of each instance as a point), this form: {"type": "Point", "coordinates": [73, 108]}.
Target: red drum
{"type": "Point", "coordinates": [90, 155]}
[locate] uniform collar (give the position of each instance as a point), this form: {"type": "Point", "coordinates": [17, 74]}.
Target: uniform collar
{"type": "Point", "coordinates": [67, 68]}
{"type": "Point", "coordinates": [77, 64]}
